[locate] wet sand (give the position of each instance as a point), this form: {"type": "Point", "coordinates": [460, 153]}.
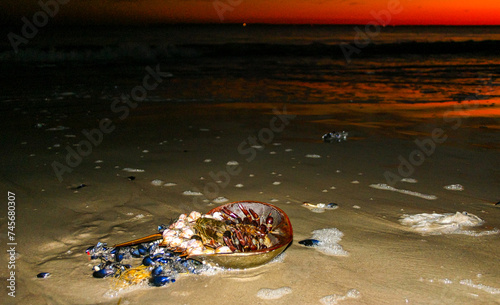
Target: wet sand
{"type": "Point", "coordinates": [387, 263]}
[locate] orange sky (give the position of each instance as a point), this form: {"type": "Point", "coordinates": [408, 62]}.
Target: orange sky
{"type": "Point", "coordinates": [421, 12]}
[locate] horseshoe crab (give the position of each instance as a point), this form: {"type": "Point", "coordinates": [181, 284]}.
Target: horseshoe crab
{"type": "Point", "coordinates": [242, 234]}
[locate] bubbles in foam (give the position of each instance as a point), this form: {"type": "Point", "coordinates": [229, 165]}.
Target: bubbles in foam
{"type": "Point", "coordinates": [336, 298]}
{"type": "Point", "coordinates": [219, 200]}
{"type": "Point", "coordinates": [485, 288]}
{"type": "Point", "coordinates": [313, 156]}
{"type": "Point", "coordinates": [382, 186]}
{"type": "Point", "coordinates": [191, 193]}
{"type": "Point", "coordinates": [329, 239]}
{"type": "Point", "coordinates": [278, 259]}
{"type": "Point", "coordinates": [448, 223]}
{"type": "Point", "coordinates": [157, 182]}
{"type": "Point", "coordinates": [409, 180]}
{"type": "Point", "coordinates": [133, 170]}
{"type": "Point", "coordinates": [273, 294]}
{"type": "Point", "coordinates": [466, 282]}
{"type": "Point", "coordinates": [454, 187]}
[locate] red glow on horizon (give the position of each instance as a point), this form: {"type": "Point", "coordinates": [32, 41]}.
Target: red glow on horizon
{"type": "Point", "coordinates": [396, 12]}
{"type": "Point", "coordinates": [404, 12]}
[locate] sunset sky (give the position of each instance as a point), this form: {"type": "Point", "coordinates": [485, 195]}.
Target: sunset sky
{"type": "Point", "coordinates": [414, 12]}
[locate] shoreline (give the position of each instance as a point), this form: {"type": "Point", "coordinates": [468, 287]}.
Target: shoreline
{"type": "Point", "coordinates": [387, 262]}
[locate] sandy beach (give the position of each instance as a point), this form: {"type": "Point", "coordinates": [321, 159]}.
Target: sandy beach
{"type": "Point", "coordinates": [281, 160]}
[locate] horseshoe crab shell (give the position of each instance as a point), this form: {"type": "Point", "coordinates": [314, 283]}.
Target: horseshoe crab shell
{"type": "Point", "coordinates": [281, 236]}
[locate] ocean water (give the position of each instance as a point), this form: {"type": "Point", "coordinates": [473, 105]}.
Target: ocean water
{"type": "Point", "coordinates": [401, 67]}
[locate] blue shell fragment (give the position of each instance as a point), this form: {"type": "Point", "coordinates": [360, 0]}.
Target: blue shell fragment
{"type": "Point", "coordinates": [332, 205]}
{"type": "Point", "coordinates": [135, 253]}
{"type": "Point", "coordinates": [162, 228]}
{"type": "Point", "coordinates": [164, 260]}
{"type": "Point", "coordinates": [157, 271]}
{"type": "Point", "coordinates": [105, 272]}
{"type": "Point", "coordinates": [142, 249]}
{"type": "Point", "coordinates": [147, 261]}
{"type": "Point", "coordinates": [161, 280]}
{"type": "Point", "coordinates": [43, 275]}
{"type": "Point", "coordinates": [119, 257]}
{"type": "Point", "coordinates": [152, 248]}
{"type": "Point", "coordinates": [309, 242]}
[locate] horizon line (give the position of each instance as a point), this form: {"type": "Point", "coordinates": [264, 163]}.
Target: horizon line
{"type": "Point", "coordinates": [244, 24]}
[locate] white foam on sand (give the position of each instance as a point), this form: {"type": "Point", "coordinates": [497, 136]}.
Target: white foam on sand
{"type": "Point", "coordinates": [382, 186]}
{"type": "Point", "coordinates": [273, 294]}
{"type": "Point", "coordinates": [336, 298]}
{"type": "Point", "coordinates": [191, 193]}
{"type": "Point", "coordinates": [313, 156]}
{"type": "Point", "coordinates": [220, 200]}
{"type": "Point", "coordinates": [157, 182]}
{"type": "Point", "coordinates": [454, 187]}
{"type": "Point", "coordinates": [482, 287]}
{"type": "Point", "coordinates": [317, 210]}
{"type": "Point", "coordinates": [445, 281]}
{"type": "Point", "coordinates": [409, 180]}
{"type": "Point", "coordinates": [467, 282]}
{"type": "Point", "coordinates": [133, 170]}
{"type": "Point", "coordinates": [278, 259]}
{"type": "Point", "coordinates": [328, 242]}
{"type": "Point", "coordinates": [448, 223]}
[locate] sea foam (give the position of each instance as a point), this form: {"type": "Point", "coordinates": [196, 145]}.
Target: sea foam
{"type": "Point", "coordinates": [382, 186]}
{"type": "Point", "coordinates": [335, 298]}
{"type": "Point", "coordinates": [329, 239]}
{"type": "Point", "coordinates": [448, 223]}
{"type": "Point", "coordinates": [454, 187]}
{"type": "Point", "coordinates": [157, 182]}
{"type": "Point", "coordinates": [313, 156]}
{"type": "Point", "coordinates": [192, 193]}
{"type": "Point", "coordinates": [273, 294]}
{"type": "Point", "coordinates": [133, 170]}
{"type": "Point", "coordinates": [482, 287]}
